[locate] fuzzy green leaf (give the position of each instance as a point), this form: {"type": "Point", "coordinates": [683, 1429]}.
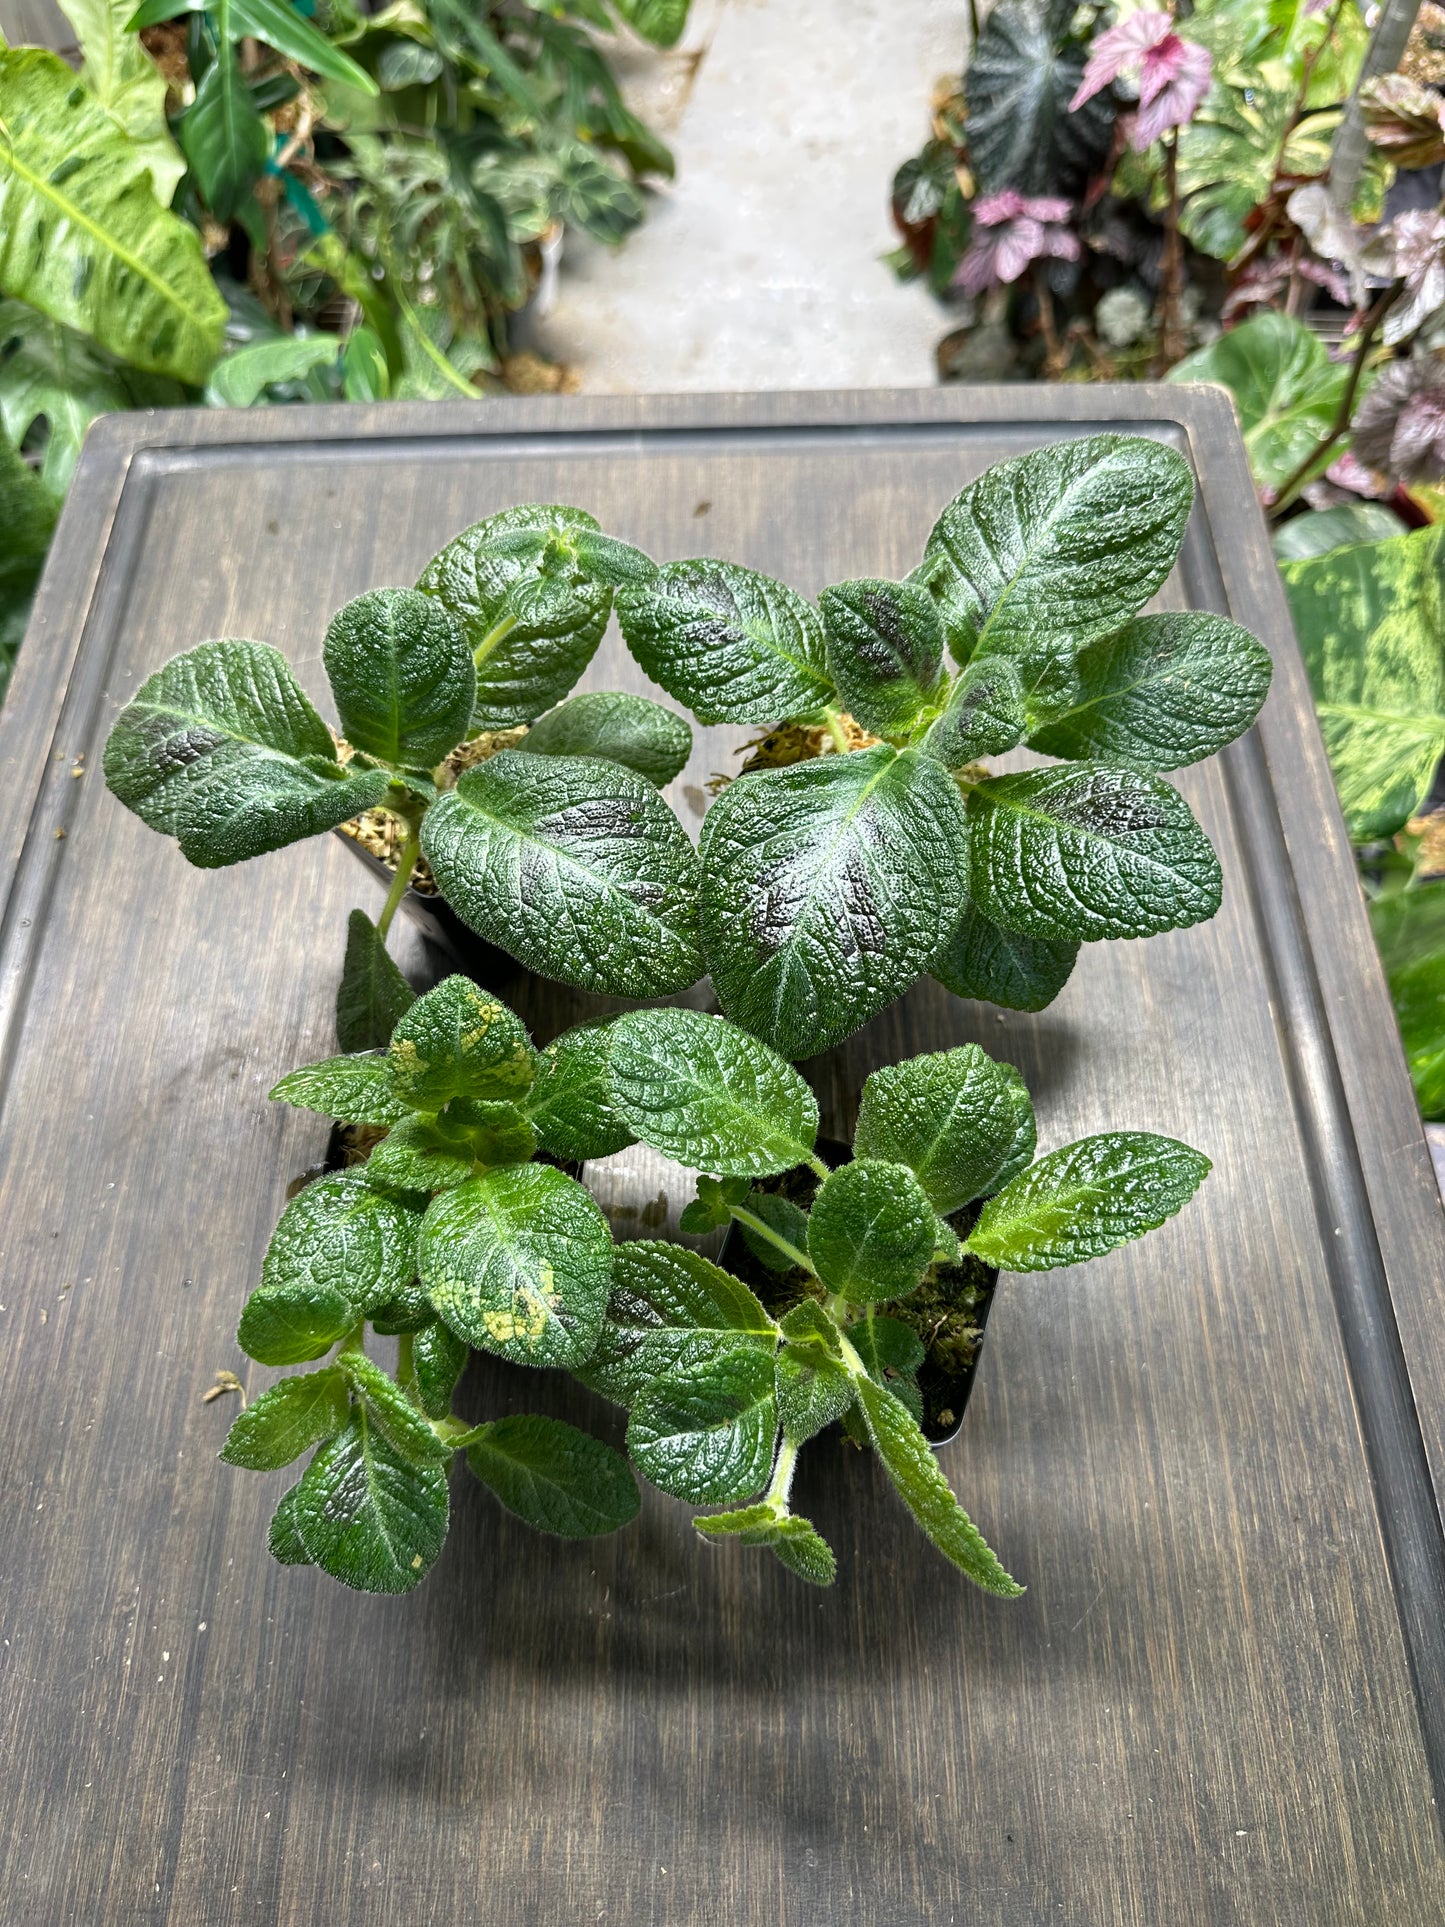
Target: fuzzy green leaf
{"type": "Point", "coordinates": [571, 1103]}
{"type": "Point", "coordinates": [402, 676]}
{"type": "Point", "coordinates": [783, 1224]}
{"type": "Point", "coordinates": [705, 1433]}
{"type": "Point", "coordinates": [1083, 1200]}
{"type": "Point", "coordinates": [962, 1123]}
{"type": "Point", "coordinates": [665, 1301]}
{"type": "Point", "coordinates": [554, 1477]}
{"type": "Point", "coordinates": [884, 651]}
{"type": "Point", "coordinates": [574, 865]}
{"type": "Point", "coordinates": [702, 1091]}
{"type": "Point", "coordinates": [791, 1538]}
{"type": "Point", "coordinates": [423, 1154]}
{"type": "Point", "coordinates": [827, 888]}
{"type": "Point", "coordinates": [438, 1360]}
{"type": "Point", "coordinates": [1088, 850]}
{"type": "Point", "coordinates": [393, 1412]}
{"type": "Point", "coordinates": [341, 1235]}
{"type": "Point", "coordinates": [997, 966]}
{"type": "Point", "coordinates": [984, 714]}
{"type": "Point", "coordinates": [458, 1041]}
{"type": "Point", "coordinates": [914, 1471]}
{"type": "Point", "coordinates": [283, 1542]}
{"type": "Point", "coordinates": [222, 750]}
{"type": "Point", "coordinates": [287, 1420]}
{"type": "Point", "coordinates": [813, 1390]}
{"type": "Point", "coordinates": [871, 1232]}
{"type": "Point", "coordinates": [370, 1517]}
{"type": "Point", "coordinates": [1409, 928]}
{"type": "Point", "coordinates": [733, 645]}
{"type": "Point", "coordinates": [888, 1348]}
{"type": "Point", "coordinates": [357, 1089]}
{"type": "Point", "coordinates": [518, 1261]}
{"type": "Point", "coordinates": [292, 1323]}
{"type": "Point", "coordinates": [631, 730]}
{"type": "Point", "coordinates": [409, 1311]}
{"type": "Point", "coordinates": [373, 996]}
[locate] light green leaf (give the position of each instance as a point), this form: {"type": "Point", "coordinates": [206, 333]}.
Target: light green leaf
{"type": "Point", "coordinates": [827, 888]}
{"type": "Point", "coordinates": [814, 1388]}
{"type": "Point", "coordinates": [733, 645]}
{"type": "Point", "coordinates": [128, 84]}
{"type": "Point", "coordinates": [706, 1432]}
{"type": "Point", "coordinates": [406, 1430]}
{"type": "Point", "coordinates": [402, 676]}
{"type": "Point", "coordinates": [574, 865]}
{"type": "Point", "coordinates": [702, 1091]}
{"type": "Point", "coordinates": [1085, 1199]}
{"type": "Point", "coordinates": [438, 1358]}
{"type": "Point", "coordinates": [871, 1232]}
{"type": "Point", "coordinates": [359, 1090]}
{"type": "Point", "coordinates": [292, 1323]}
{"type": "Point", "coordinates": [997, 966]}
{"type": "Point", "coordinates": [571, 1102]}
{"type": "Point", "coordinates": [242, 378]}
{"type": "Point", "coordinates": [222, 750]}
{"type": "Point", "coordinates": [373, 996]}
{"type": "Point", "coordinates": [1318, 531]}
{"type": "Point", "coordinates": [339, 1234]}
{"type": "Point", "coordinates": [984, 714]}
{"type": "Point", "coordinates": [459, 1041]}
{"type": "Point", "coordinates": [225, 140]}
{"type": "Point", "coordinates": [1409, 928]}
{"type": "Point", "coordinates": [371, 1518]}
{"type": "Point", "coordinates": [82, 235]}
{"type": "Point", "coordinates": [519, 1262]}
{"type": "Point", "coordinates": [1088, 850]}
{"type": "Point", "coordinates": [1285, 387]}
{"type": "Point", "coordinates": [890, 1350]}
{"type": "Point", "coordinates": [1370, 621]}
{"type": "Point", "coordinates": [288, 1419]}
{"type": "Point", "coordinates": [554, 1477]}
{"type": "Point", "coordinates": [631, 730]}
{"type": "Point", "coordinates": [962, 1123]}
{"type": "Point", "coordinates": [884, 651]}
{"type": "Point", "coordinates": [668, 1303]}
{"type": "Point", "coordinates": [791, 1539]}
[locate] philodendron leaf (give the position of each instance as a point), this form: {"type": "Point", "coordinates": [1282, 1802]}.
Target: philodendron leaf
{"type": "Point", "coordinates": [735, 646]}
{"type": "Point", "coordinates": [518, 1261]}
{"type": "Point", "coordinates": [458, 1041]}
{"type": "Point", "coordinates": [1051, 549]}
{"type": "Point", "coordinates": [871, 1232]}
{"type": "Point", "coordinates": [666, 1302]}
{"type": "Point", "coordinates": [827, 888]}
{"type": "Point", "coordinates": [984, 714]}
{"type": "Point", "coordinates": [702, 1091]}
{"type": "Point", "coordinates": [554, 1477]}
{"type": "Point", "coordinates": [438, 1359]}
{"type": "Point", "coordinates": [406, 1429]}
{"type": "Point", "coordinates": [358, 1090]}
{"type": "Point", "coordinates": [222, 750]}
{"type": "Point", "coordinates": [884, 651]}
{"type": "Point", "coordinates": [1409, 927]}
{"type": "Point", "coordinates": [571, 1103]}
{"type": "Point", "coordinates": [402, 675]}
{"type": "Point", "coordinates": [370, 1517]}
{"type": "Point", "coordinates": [575, 866]}
{"type": "Point", "coordinates": [287, 1420]}
{"type": "Point", "coordinates": [1370, 621]}
{"type": "Point", "coordinates": [914, 1471]}
{"type": "Point", "coordinates": [373, 996]}
{"type": "Point", "coordinates": [1088, 850]}
{"type": "Point", "coordinates": [127, 83]}
{"type": "Point", "coordinates": [631, 730]}
{"type": "Point", "coordinates": [792, 1539]}
{"type": "Point", "coordinates": [341, 1235]}
{"type": "Point", "coordinates": [1085, 1199]}
{"type": "Point", "coordinates": [983, 960]}
{"type": "Point", "coordinates": [705, 1433]}
{"type": "Point", "coordinates": [1161, 692]}
{"type": "Point", "coordinates": [962, 1123]}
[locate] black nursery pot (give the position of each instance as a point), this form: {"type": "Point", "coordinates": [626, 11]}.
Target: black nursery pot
{"type": "Point", "coordinates": [949, 1316]}
{"type": "Point", "coordinates": [440, 924]}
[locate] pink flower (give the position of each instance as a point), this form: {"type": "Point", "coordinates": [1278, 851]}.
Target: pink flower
{"type": "Point", "coordinates": [1009, 231]}
{"type": "Point", "coordinates": [1174, 74]}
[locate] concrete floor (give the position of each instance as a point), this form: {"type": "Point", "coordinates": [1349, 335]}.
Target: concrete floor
{"type": "Point", "coordinates": [759, 267]}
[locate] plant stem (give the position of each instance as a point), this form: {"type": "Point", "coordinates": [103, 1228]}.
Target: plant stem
{"type": "Point", "coordinates": [774, 1238]}
{"type": "Point", "coordinates": [1053, 354]}
{"type": "Point", "coordinates": [406, 863]}
{"type": "Point", "coordinates": [836, 730]}
{"type": "Point", "coordinates": [1292, 484]}
{"type": "Point", "coordinates": [1172, 267]}
{"type": "Point", "coordinates": [777, 1493]}
{"type": "Point", "coordinates": [816, 1164]}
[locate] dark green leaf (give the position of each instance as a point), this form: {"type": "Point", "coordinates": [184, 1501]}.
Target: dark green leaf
{"type": "Point", "coordinates": [884, 650]}
{"type": "Point", "coordinates": [556, 1478]}
{"type": "Point", "coordinates": [222, 750]}
{"type": "Point", "coordinates": [571, 1102]}
{"type": "Point", "coordinates": [409, 1311]}
{"type": "Point", "coordinates": [1083, 1200]}
{"type": "Point", "coordinates": [1409, 927]}
{"type": "Point", "coordinates": [702, 1091]}
{"type": "Point", "coordinates": [291, 1324]}
{"type": "Point", "coordinates": [812, 1391]}
{"type": "Point", "coordinates": [827, 888]}
{"type": "Point", "coordinates": [574, 865]}
{"type": "Point", "coordinates": [242, 378]}
{"type": "Point", "coordinates": [1088, 850]}
{"type": "Point", "coordinates": [371, 1518]}
{"type": "Point", "coordinates": [733, 645]}
{"type": "Point", "coordinates": [438, 1360]}
{"type": "Point", "coordinates": [792, 1539]}
{"type": "Point", "coordinates": [458, 1041]}
{"type": "Point", "coordinates": [631, 730]}
{"type": "Point", "coordinates": [706, 1432]}
{"type": "Point", "coordinates": [782, 1243]}
{"type": "Point", "coordinates": [962, 1123]}
{"type": "Point", "coordinates": [279, 25]}
{"type": "Point", "coordinates": [393, 1412]}
{"type": "Point", "coordinates": [358, 1090]}
{"type": "Point", "coordinates": [887, 1347]}
{"type": "Point", "coordinates": [871, 1232]}
{"type": "Point", "coordinates": [402, 676]}
{"type": "Point", "coordinates": [518, 1261]}
{"type": "Point", "coordinates": [285, 1421]}
{"type": "Point", "coordinates": [595, 197]}
{"type": "Point", "coordinates": [997, 966]}
{"type": "Point", "coordinates": [283, 1541]}
{"type": "Point", "coordinates": [341, 1235]}
{"type": "Point", "coordinates": [984, 714]}
{"type": "Point", "coordinates": [373, 996]}
{"type": "Point", "coordinates": [667, 1303]}
{"type": "Point", "coordinates": [1020, 80]}
{"type": "Point", "coordinates": [223, 138]}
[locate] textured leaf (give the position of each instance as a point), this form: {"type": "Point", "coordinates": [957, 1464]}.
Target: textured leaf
{"type": "Point", "coordinates": [359, 1090]}
{"type": "Point", "coordinates": [405, 1428]}
{"type": "Point", "coordinates": [914, 1470]}
{"type": "Point", "coordinates": [884, 651]}
{"type": "Point", "coordinates": [813, 1386]}
{"type": "Point", "coordinates": [699, 1090]}
{"type": "Point", "coordinates": [571, 1103]}
{"type": "Point", "coordinates": [706, 1432]}
{"type": "Point", "coordinates": [1370, 621]}
{"type": "Point", "coordinates": [595, 197]}
{"type": "Point", "coordinates": [368, 1516]}
{"type": "Point", "coordinates": [423, 1154]}
{"type": "Point", "coordinates": [827, 888]}
{"type": "Point", "coordinates": [222, 750]}
{"type": "Point", "coordinates": [287, 1420]}
{"type": "Point", "coordinates": [1409, 928]}
{"type": "Point", "coordinates": [791, 1538]}
{"type": "Point", "coordinates": [373, 996]}
{"type": "Point", "coordinates": [283, 1541]}
{"type": "Point", "coordinates": [984, 714]}
{"type": "Point", "coordinates": [402, 676]}
{"type": "Point", "coordinates": [1161, 692]}
{"type": "Point", "coordinates": [341, 1235]}
{"type": "Point", "coordinates": [1083, 1200]}
{"type": "Point", "coordinates": [871, 1232]}
{"type": "Point", "coordinates": [438, 1360]}
{"type": "Point", "coordinates": [1088, 850]}
{"type": "Point", "coordinates": [962, 1123]}
{"type": "Point", "coordinates": [574, 865]}
{"type": "Point", "coordinates": [1048, 550]}
{"type": "Point", "coordinates": [554, 1477]}
{"type": "Point", "coordinates": [459, 1041]}
{"type": "Point", "coordinates": [1019, 81]}
{"type": "Point", "coordinates": [784, 1225]}
{"type": "Point", "coordinates": [409, 1311]}
{"type": "Point", "coordinates": [1303, 537]}
{"type": "Point", "coordinates": [27, 515]}
{"type": "Point", "coordinates": [997, 966]}
{"type": "Point", "coordinates": [292, 1323]}
{"type": "Point", "coordinates": [668, 1302]}
{"type": "Point", "coordinates": [887, 1347]}
{"type": "Point", "coordinates": [1286, 389]}
{"type": "Point", "coordinates": [82, 235]}
{"type": "Point", "coordinates": [519, 1262]}
{"type": "Point", "coordinates": [127, 83]}
{"type": "Point", "coordinates": [222, 136]}
{"type": "Point", "coordinates": [631, 730]}
{"type": "Point", "coordinates": [733, 645]}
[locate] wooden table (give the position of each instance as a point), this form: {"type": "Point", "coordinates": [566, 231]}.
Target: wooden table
{"type": "Point", "coordinates": [1210, 1456]}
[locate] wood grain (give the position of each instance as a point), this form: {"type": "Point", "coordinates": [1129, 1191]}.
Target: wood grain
{"type": "Point", "coordinates": [1205, 1709]}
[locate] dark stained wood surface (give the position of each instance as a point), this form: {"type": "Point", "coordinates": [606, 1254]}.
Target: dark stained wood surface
{"type": "Point", "coordinates": [1209, 1455]}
